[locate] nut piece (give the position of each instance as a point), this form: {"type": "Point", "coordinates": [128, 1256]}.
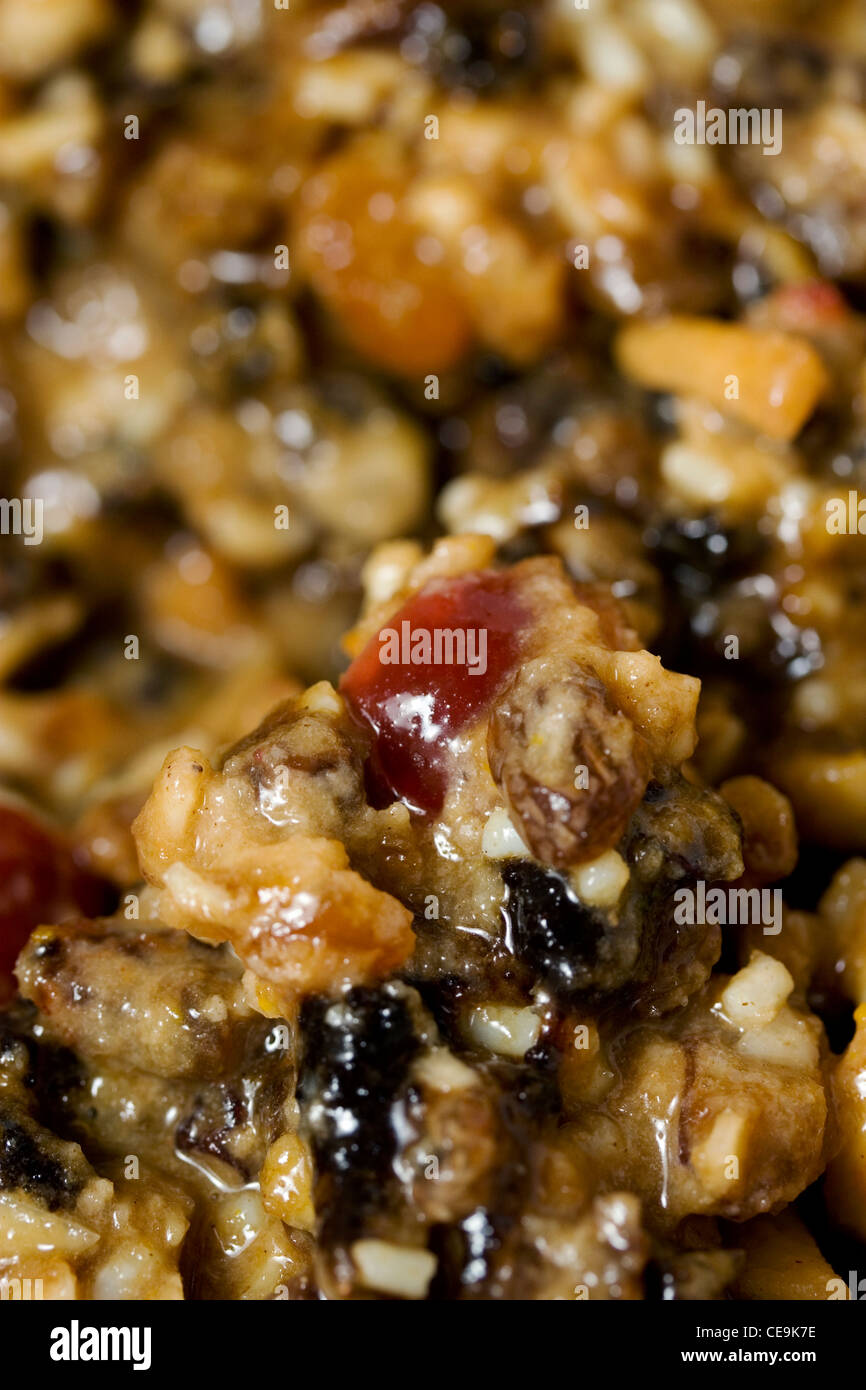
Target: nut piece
{"type": "Point", "coordinates": [756, 994]}
{"type": "Point", "coordinates": [712, 1157]}
{"type": "Point", "coordinates": [500, 840]}
{"type": "Point", "coordinates": [571, 766]}
{"type": "Point", "coordinates": [502, 1028]}
{"type": "Point", "coordinates": [601, 882]}
{"type": "Point", "coordinates": [394, 1269]}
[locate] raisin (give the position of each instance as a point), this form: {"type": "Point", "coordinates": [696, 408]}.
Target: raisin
{"type": "Point", "coordinates": [553, 722]}
{"type": "Point", "coordinates": [208, 1129]}
{"type": "Point", "coordinates": [309, 743]}
{"type": "Point", "coordinates": [551, 931]}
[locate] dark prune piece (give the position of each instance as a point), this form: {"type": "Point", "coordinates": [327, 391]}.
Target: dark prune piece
{"type": "Point", "coordinates": [465, 1253]}
{"type": "Point", "coordinates": [516, 419]}
{"type": "Point", "coordinates": [59, 1073]}
{"type": "Point", "coordinates": [357, 1055]}
{"type": "Point", "coordinates": [16, 1051]}
{"type": "Point", "coordinates": [26, 1162]}
{"type": "Point", "coordinates": [698, 550]}
{"type": "Point", "coordinates": [682, 834]}
{"type": "Point", "coordinates": [655, 791]}
{"type": "Point", "coordinates": [551, 930]}
{"type": "Point", "coordinates": [444, 996]}
{"type": "Point", "coordinates": [531, 1089]}
{"type": "Point", "coordinates": [478, 46]}
{"type": "Point", "coordinates": [772, 71]}
{"type": "Point", "coordinates": [771, 646]}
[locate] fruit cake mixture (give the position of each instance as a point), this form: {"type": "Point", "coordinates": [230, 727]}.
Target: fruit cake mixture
{"type": "Point", "coordinates": [388, 379]}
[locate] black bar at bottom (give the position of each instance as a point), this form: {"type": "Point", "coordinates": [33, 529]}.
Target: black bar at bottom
{"type": "Point", "coordinates": [215, 1341]}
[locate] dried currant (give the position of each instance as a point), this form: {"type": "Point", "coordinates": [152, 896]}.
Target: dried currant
{"type": "Point", "coordinates": [358, 1051]}
{"type": "Point", "coordinates": [551, 930]}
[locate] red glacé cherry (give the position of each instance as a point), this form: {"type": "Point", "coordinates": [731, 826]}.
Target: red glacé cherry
{"type": "Point", "coordinates": [412, 708]}
{"type": "Point", "coordinates": [39, 883]}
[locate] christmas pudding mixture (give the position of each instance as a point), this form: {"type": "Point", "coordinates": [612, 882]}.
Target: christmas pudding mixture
{"type": "Point", "coordinates": [432, 649]}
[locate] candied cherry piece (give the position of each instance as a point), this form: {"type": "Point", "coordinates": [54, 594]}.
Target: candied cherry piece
{"type": "Point", "coordinates": [39, 883]}
{"type": "Point", "coordinates": [405, 690]}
